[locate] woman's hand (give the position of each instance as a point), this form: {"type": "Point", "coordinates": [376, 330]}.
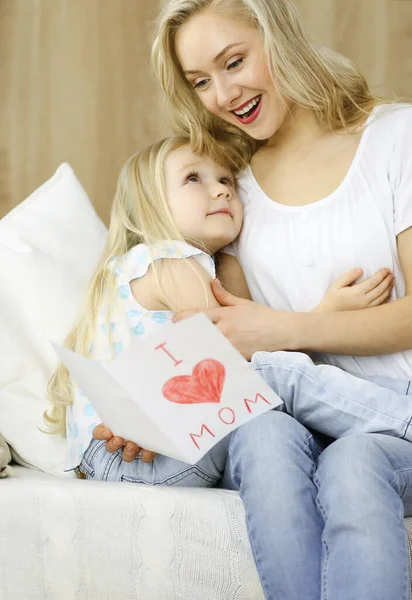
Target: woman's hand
{"type": "Point", "coordinates": [249, 326]}
{"type": "Point", "coordinates": [345, 294]}
{"type": "Point", "coordinates": [114, 443]}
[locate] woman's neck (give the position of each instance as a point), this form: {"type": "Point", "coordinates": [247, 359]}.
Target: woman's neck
{"type": "Point", "coordinates": [300, 127]}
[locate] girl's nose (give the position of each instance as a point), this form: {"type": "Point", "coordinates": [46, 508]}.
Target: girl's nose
{"type": "Point", "coordinates": [221, 192]}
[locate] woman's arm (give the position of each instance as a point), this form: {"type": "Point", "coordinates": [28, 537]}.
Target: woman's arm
{"type": "Point", "coordinates": [230, 274]}
{"type": "Point", "coordinates": [381, 330]}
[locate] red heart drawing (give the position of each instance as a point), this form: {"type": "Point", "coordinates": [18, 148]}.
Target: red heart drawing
{"type": "Point", "coordinates": [204, 385]}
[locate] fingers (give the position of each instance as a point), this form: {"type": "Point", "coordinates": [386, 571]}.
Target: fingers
{"type": "Point", "coordinates": [131, 450]}
{"type": "Point", "coordinates": [381, 293]}
{"type": "Point", "coordinates": [148, 456]}
{"type": "Point", "coordinates": [101, 432]}
{"type": "Point", "coordinates": [224, 297]}
{"type": "Point", "coordinates": [114, 444]}
{"type": "Point", "coordinates": [385, 286]}
{"type": "Point", "coordinates": [382, 298]}
{"type": "Point", "coordinates": [347, 278]}
{"type": "Point", "coordinates": [375, 280]}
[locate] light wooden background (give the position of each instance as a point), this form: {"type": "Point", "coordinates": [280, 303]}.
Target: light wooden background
{"type": "Point", "coordinates": [75, 82]}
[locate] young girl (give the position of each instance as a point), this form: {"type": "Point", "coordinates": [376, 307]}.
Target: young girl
{"type": "Point", "coordinates": [329, 185]}
{"type": "Point", "coordinates": [172, 212]}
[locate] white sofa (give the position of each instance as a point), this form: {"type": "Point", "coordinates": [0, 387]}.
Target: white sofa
{"type": "Point", "coordinates": [64, 538]}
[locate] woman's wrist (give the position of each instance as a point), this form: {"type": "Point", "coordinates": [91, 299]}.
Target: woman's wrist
{"type": "Point", "coordinates": [288, 331]}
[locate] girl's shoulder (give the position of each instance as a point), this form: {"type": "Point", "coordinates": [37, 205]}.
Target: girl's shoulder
{"type": "Point", "coordinates": [136, 262]}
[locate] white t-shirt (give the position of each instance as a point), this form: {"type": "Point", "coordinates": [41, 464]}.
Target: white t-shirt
{"type": "Point", "coordinates": [292, 254]}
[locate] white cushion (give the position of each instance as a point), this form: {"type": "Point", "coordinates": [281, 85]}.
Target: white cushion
{"type": "Point", "coordinates": [49, 247]}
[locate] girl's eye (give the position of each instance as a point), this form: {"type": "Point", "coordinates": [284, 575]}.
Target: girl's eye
{"type": "Point", "coordinates": [226, 181]}
{"type": "Point", "coordinates": [192, 178]}
{"type": "Point", "coordinates": [236, 63]}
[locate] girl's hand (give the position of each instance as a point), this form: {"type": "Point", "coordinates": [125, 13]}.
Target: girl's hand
{"type": "Point", "coordinates": [131, 450]}
{"type": "Point", "coordinates": [344, 294]}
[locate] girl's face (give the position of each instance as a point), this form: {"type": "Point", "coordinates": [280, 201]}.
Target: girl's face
{"type": "Point", "coordinates": [202, 198]}
{"type": "Point", "coordinates": [224, 61]}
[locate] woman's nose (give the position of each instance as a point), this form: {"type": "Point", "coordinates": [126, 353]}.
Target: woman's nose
{"type": "Point", "coordinates": [226, 94]}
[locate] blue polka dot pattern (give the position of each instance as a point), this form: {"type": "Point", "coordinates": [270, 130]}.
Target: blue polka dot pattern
{"type": "Point", "coordinates": [69, 430]}
{"type": "Point", "coordinates": [88, 410]}
{"type": "Point", "coordinates": [117, 347]}
{"type": "Point", "coordinates": [139, 329]}
{"type": "Point", "coordinates": [133, 313]}
{"type": "Point", "coordinates": [103, 327]}
{"type": "Point", "coordinates": [160, 317]}
{"type": "Point", "coordinates": [124, 291]}
{"type": "Point", "coordinates": [75, 430]}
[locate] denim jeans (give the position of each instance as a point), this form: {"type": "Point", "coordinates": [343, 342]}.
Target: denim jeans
{"type": "Point", "coordinates": [324, 521]}
{"type": "Point", "coordinates": [336, 403]}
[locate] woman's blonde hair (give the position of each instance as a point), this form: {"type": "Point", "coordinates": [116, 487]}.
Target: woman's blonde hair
{"type": "Point", "coordinates": [313, 77]}
{"type": "Point", "coordinates": [140, 214]}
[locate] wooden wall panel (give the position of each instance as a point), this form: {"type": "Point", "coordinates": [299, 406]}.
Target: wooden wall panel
{"type": "Point", "coordinates": [400, 48]}
{"type": "Point", "coordinates": [75, 81]}
{"type": "Point", "coordinates": [375, 34]}
{"type": "Point", "coordinates": [75, 86]}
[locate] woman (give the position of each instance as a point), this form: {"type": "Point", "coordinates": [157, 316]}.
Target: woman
{"type": "Point", "coordinates": [329, 187]}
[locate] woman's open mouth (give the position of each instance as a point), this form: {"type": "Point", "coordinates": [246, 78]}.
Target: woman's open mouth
{"type": "Point", "coordinates": [249, 112]}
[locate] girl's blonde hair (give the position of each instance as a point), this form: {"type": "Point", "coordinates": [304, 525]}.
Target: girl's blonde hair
{"type": "Point", "coordinates": [313, 77]}
{"type": "Point", "coordinates": [140, 214]}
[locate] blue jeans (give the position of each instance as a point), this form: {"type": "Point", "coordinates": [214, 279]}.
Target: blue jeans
{"type": "Point", "coordinates": [336, 403]}
{"type": "Point", "coordinates": [324, 522]}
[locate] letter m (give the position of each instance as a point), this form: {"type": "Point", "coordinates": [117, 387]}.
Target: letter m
{"type": "Point", "coordinates": [247, 401]}
{"type": "Point", "coordinates": [193, 435]}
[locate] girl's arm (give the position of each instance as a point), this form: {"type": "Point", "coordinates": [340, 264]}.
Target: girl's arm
{"type": "Point", "coordinates": [178, 285]}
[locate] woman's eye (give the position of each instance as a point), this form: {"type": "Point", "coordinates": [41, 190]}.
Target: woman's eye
{"type": "Point", "coordinates": [200, 84]}
{"type": "Point", "coordinates": [236, 63]}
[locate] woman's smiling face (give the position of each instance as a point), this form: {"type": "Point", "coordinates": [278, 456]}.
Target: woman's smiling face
{"type": "Point", "coordinates": [224, 61]}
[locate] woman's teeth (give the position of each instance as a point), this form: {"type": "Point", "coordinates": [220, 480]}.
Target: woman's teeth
{"type": "Point", "coordinates": [243, 112]}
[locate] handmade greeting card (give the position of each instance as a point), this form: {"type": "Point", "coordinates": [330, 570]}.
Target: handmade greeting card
{"type": "Point", "coordinates": [177, 392]}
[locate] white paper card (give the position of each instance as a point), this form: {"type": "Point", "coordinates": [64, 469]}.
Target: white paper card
{"type": "Point", "coordinates": [177, 392]}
